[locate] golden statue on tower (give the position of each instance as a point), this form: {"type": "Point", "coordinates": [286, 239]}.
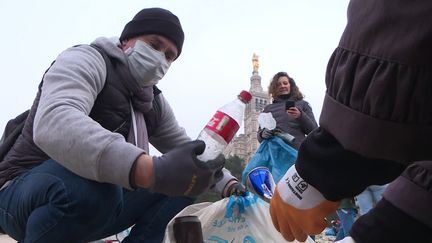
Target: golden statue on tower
{"type": "Point", "coordinates": [255, 63]}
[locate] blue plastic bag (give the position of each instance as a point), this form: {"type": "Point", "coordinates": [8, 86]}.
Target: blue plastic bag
{"type": "Point", "coordinates": [274, 154]}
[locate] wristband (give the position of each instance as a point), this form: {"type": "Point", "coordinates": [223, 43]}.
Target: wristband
{"type": "Point", "coordinates": [297, 192]}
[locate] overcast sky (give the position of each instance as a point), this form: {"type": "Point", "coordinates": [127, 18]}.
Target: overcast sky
{"type": "Point", "coordinates": [296, 36]}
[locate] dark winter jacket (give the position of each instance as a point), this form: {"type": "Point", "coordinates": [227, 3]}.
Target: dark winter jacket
{"type": "Point", "coordinates": [377, 119]}
{"type": "Point", "coordinates": [379, 82]}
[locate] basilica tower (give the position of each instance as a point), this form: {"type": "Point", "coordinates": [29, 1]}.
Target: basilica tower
{"type": "Point", "coordinates": [245, 145]}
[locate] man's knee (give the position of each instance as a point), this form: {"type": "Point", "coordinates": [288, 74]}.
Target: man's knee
{"type": "Point", "coordinates": [99, 200]}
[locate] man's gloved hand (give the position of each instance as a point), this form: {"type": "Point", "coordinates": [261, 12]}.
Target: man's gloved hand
{"type": "Point", "coordinates": [266, 133]}
{"type": "Point", "coordinates": [234, 188]}
{"type": "Point", "coordinates": [298, 209]}
{"type": "Point", "coordinates": [180, 173]}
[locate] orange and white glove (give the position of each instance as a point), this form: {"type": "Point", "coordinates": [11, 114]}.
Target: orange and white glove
{"type": "Point", "coordinates": [298, 209]}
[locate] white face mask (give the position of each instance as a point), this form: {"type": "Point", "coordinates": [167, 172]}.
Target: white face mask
{"type": "Point", "coordinates": [146, 64]}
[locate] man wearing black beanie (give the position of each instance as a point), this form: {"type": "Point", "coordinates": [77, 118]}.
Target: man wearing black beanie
{"type": "Point", "coordinates": [80, 169]}
{"type": "Point", "coordinates": [155, 21]}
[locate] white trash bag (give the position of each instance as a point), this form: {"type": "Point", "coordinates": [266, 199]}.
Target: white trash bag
{"type": "Point", "coordinates": [232, 220]}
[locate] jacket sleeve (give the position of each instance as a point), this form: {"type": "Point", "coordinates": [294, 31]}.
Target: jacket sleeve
{"type": "Point", "coordinates": [413, 187]}
{"type": "Point", "coordinates": [326, 165]}
{"type": "Point", "coordinates": [406, 204]}
{"type": "Point", "coordinates": [259, 132]}
{"type": "Point", "coordinates": [307, 119]}
{"type": "Point", "coordinates": [220, 185]}
{"type": "Point", "coordinates": [168, 133]}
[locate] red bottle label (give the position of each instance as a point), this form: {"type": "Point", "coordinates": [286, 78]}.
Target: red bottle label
{"type": "Point", "coordinates": [223, 125]}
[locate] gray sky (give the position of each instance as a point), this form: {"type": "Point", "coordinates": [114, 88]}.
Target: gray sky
{"type": "Point", "coordinates": [296, 36]}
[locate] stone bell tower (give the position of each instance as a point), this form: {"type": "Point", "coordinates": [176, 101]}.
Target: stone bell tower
{"type": "Point", "coordinates": [259, 100]}
{"type": "Point", "coordinates": [245, 145]}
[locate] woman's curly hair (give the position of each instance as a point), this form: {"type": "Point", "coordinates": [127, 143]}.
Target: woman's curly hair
{"type": "Point", "coordinates": [294, 90]}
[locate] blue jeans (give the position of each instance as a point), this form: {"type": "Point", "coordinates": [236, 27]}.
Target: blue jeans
{"type": "Point", "coordinates": [51, 204]}
{"type": "Point", "coordinates": [347, 217]}
{"type": "Point", "coordinates": [367, 199]}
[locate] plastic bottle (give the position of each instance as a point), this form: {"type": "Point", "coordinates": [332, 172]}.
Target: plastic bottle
{"type": "Point", "coordinates": [222, 127]}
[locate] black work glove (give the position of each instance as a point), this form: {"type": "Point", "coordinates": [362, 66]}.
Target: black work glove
{"type": "Point", "coordinates": [236, 189]}
{"type": "Point", "coordinates": [180, 173]}
{"type": "Point", "coordinates": [266, 133]}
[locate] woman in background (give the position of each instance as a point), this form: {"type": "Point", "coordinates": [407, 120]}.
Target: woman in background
{"type": "Point", "coordinates": [292, 113]}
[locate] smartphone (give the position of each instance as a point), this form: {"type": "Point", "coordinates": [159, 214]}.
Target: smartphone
{"type": "Point", "coordinates": [289, 104]}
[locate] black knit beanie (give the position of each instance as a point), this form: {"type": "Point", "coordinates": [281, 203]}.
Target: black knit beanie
{"type": "Point", "coordinates": [155, 21]}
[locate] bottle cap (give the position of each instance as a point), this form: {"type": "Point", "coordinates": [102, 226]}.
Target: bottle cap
{"type": "Point", "coordinates": [245, 96]}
